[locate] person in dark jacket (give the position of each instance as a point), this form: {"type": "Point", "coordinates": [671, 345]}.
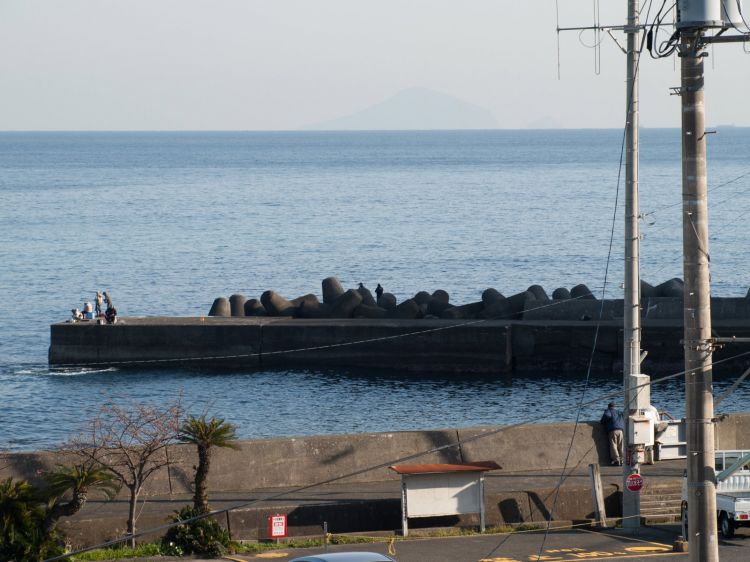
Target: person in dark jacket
{"type": "Point", "coordinates": [614, 424]}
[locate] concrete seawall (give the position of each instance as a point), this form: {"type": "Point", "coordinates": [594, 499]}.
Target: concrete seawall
{"type": "Point", "coordinates": [429, 345]}
{"type": "Point", "coordinates": [278, 463]}
{"type": "Point", "coordinates": [369, 500]}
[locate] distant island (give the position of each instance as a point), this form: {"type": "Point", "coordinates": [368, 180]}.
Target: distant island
{"type": "Point", "coordinates": [413, 109]}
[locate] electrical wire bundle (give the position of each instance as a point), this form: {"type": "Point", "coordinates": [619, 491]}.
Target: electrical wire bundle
{"type": "Point", "coordinates": [666, 48]}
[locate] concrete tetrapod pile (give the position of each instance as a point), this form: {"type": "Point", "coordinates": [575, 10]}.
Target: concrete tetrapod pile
{"type": "Point", "coordinates": [534, 303]}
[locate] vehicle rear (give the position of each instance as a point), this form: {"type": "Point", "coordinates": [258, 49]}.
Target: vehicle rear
{"type": "Point", "coordinates": [732, 493]}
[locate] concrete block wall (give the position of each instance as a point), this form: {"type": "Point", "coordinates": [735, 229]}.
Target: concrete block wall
{"type": "Point", "coordinates": [292, 462]}
{"type": "Point", "coordinates": [411, 345]}
{"type": "Point", "coordinates": [300, 461]}
{"type": "Point", "coordinates": [157, 339]}
{"type": "Point", "coordinates": [537, 446]}
{"type": "Point", "coordinates": [435, 346]}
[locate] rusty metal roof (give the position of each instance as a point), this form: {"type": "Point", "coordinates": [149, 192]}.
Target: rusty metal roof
{"type": "Point", "coordinates": [480, 466]}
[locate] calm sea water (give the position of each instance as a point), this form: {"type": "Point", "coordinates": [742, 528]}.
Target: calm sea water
{"type": "Point", "coordinates": [168, 221]}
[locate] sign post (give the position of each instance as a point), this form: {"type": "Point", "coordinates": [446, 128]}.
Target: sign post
{"type": "Point", "coordinates": [277, 526]}
{"type": "Point", "coordinates": [634, 482]}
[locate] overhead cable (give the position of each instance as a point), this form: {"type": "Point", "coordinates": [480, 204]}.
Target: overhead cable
{"type": "Point", "coordinates": [401, 460]}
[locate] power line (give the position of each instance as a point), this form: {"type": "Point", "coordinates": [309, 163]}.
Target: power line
{"type": "Point", "coordinates": [714, 188]}
{"type": "Point", "coordinates": [401, 460]}
{"type": "Point", "coordinates": [601, 310]}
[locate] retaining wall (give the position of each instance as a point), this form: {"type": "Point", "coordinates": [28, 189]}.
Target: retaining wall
{"type": "Point", "coordinates": [280, 463]}
{"type": "Point", "coordinates": [285, 462]}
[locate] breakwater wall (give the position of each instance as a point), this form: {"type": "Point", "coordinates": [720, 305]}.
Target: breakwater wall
{"type": "Point", "coordinates": [529, 332]}
{"type": "Point", "coordinates": [428, 345]}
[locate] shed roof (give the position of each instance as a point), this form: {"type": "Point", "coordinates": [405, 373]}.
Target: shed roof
{"type": "Point", "coordinates": [480, 466]}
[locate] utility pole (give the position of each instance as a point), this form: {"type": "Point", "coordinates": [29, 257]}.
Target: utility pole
{"type": "Point", "coordinates": [635, 385]}
{"type": "Point", "coordinates": [702, 540]}
{"type": "Point", "coordinates": [631, 501]}
{"type": "Point", "coordinates": [694, 18]}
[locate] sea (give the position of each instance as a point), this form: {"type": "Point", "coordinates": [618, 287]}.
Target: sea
{"type": "Point", "coordinates": [166, 222]}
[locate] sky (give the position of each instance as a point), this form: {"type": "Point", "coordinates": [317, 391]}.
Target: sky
{"type": "Point", "coordinates": [284, 64]}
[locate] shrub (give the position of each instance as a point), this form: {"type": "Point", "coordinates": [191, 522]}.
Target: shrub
{"type": "Point", "coordinates": [21, 524]}
{"type": "Point", "coordinates": [203, 536]}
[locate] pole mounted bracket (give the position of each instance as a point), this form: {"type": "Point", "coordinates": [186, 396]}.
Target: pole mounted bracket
{"type": "Point", "coordinates": [731, 339]}
{"type": "Point", "coordinates": [719, 38]}
{"type": "Point", "coordinates": [689, 89]}
{"type": "Point", "coordinates": [707, 345]}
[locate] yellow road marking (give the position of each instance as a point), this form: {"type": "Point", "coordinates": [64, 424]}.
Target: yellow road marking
{"type": "Point", "coordinates": [626, 538]}
{"type": "Point", "coordinates": [571, 554]}
{"type": "Point", "coordinates": [641, 552]}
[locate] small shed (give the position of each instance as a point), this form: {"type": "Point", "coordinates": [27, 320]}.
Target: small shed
{"type": "Point", "coordinates": [431, 490]}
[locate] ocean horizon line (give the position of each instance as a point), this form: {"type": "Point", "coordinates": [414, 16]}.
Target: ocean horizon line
{"type": "Point", "coordinates": [337, 131]}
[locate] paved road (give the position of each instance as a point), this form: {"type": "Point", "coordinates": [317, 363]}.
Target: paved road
{"type": "Point", "coordinates": [542, 481]}
{"type": "Point", "coordinates": [652, 545]}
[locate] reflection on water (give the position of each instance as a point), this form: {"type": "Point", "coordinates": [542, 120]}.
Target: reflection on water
{"type": "Point", "coordinates": [42, 407]}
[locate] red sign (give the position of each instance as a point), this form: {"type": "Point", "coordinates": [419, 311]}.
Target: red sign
{"type": "Point", "coordinates": [278, 526]}
{"type": "Point", "coordinates": [634, 482]}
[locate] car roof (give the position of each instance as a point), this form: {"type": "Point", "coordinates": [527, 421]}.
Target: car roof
{"type": "Point", "coordinates": [344, 557]}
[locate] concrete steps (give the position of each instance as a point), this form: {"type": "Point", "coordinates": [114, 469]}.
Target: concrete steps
{"type": "Point", "coordinates": [661, 504]}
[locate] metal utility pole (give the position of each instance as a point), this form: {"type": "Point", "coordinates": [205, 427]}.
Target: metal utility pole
{"type": "Point", "coordinates": [699, 406]}
{"type": "Point", "coordinates": [631, 501]}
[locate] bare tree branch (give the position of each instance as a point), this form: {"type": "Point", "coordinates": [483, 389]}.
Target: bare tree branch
{"type": "Point", "coordinates": [130, 441]}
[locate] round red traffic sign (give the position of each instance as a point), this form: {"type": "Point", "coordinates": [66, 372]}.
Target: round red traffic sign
{"type": "Point", "coordinates": [634, 482]}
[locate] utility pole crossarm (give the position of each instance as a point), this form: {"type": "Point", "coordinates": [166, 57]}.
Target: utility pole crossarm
{"type": "Point", "coordinates": [744, 38]}
{"type": "Point", "coordinates": [732, 339]}
{"type": "Point", "coordinates": [625, 28]}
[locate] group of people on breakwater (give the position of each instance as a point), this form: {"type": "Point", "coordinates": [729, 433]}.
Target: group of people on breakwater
{"type": "Point", "coordinates": [361, 303]}
{"type": "Point", "coordinates": [94, 312]}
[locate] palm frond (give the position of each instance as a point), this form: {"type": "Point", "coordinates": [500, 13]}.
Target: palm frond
{"type": "Point", "coordinates": [214, 432]}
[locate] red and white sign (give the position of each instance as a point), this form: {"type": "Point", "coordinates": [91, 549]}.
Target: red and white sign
{"type": "Point", "coordinates": [634, 482]}
{"type": "Point", "coordinates": [278, 526]}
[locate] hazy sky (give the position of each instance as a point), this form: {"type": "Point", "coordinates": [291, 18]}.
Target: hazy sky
{"type": "Point", "coordinates": [283, 64]}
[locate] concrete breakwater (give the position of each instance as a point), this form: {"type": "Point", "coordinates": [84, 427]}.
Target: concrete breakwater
{"type": "Point", "coordinates": [524, 333]}
{"type": "Point", "coordinates": [500, 347]}
{"type": "Point", "coordinates": [523, 491]}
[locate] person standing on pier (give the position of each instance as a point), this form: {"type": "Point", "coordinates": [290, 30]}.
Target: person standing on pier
{"type": "Point", "coordinates": [98, 304]}
{"type": "Point", "coordinates": [614, 424]}
{"type": "Point", "coordinates": [378, 291]}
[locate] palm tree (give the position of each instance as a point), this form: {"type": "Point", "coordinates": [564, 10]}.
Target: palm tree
{"type": "Point", "coordinates": [74, 482]}
{"type": "Point", "coordinates": [205, 434]}
{"type": "Point", "coordinates": [19, 518]}
{"type": "Point", "coordinates": [16, 506]}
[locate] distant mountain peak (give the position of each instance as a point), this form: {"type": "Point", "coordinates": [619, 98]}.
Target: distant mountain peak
{"type": "Point", "coordinates": [414, 109]}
